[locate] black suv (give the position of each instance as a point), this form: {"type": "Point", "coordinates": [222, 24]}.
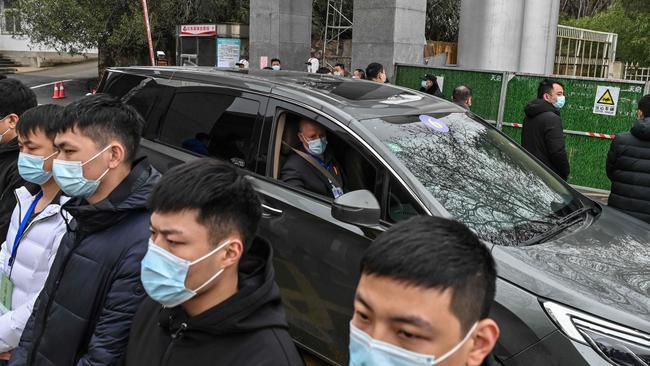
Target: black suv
{"type": "Point", "coordinates": [574, 277]}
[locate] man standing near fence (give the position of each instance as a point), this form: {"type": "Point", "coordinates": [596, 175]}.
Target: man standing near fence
{"type": "Point", "coordinates": [628, 166]}
{"type": "Point", "coordinates": [543, 133]}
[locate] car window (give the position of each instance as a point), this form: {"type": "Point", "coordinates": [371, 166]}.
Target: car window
{"type": "Point", "coordinates": [480, 177]}
{"type": "Point", "coordinates": [345, 162]}
{"type": "Point", "coordinates": [212, 124]}
{"type": "Point", "coordinates": [400, 204]}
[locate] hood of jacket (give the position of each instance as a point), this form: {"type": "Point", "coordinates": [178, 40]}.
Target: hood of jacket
{"type": "Point", "coordinates": [257, 304]}
{"type": "Point", "coordinates": [129, 196]}
{"type": "Point", "coordinates": [641, 129]}
{"type": "Point", "coordinates": [539, 106]}
{"type": "Point", "coordinates": [10, 147]}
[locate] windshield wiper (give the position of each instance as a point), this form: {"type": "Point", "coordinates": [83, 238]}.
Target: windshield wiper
{"type": "Point", "coordinates": [561, 225]}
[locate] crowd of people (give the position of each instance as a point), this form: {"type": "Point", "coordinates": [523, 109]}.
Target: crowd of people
{"type": "Point", "coordinates": [106, 262]}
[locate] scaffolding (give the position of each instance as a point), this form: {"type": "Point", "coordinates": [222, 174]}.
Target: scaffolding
{"type": "Point", "coordinates": [336, 24]}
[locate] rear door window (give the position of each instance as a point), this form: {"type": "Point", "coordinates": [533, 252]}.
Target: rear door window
{"type": "Point", "coordinates": [220, 124]}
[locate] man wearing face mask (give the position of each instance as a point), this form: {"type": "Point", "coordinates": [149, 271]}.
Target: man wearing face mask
{"type": "Point", "coordinates": [36, 227]}
{"type": "Point", "coordinates": [543, 133]}
{"type": "Point", "coordinates": [412, 308]}
{"type": "Point", "coordinates": [429, 85]}
{"type": "Point", "coordinates": [15, 98]}
{"type": "Point", "coordinates": [313, 167]}
{"type": "Point", "coordinates": [85, 309]}
{"type": "Point", "coordinates": [212, 296]}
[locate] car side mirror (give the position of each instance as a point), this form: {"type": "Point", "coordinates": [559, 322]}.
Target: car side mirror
{"type": "Point", "coordinates": [357, 208]}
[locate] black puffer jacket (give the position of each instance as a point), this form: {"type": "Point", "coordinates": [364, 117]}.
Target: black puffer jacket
{"type": "Point", "coordinates": [248, 329]}
{"type": "Point", "coordinates": [84, 313]}
{"type": "Point", "coordinates": [628, 167]}
{"type": "Point", "coordinates": [10, 180]}
{"type": "Point", "coordinates": [543, 136]}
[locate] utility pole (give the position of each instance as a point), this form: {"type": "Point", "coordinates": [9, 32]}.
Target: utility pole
{"type": "Point", "coordinates": [148, 28]}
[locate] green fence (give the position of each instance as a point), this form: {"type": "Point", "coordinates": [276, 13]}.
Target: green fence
{"type": "Point", "coordinates": [586, 154]}
{"type": "Point", "coordinates": [486, 86]}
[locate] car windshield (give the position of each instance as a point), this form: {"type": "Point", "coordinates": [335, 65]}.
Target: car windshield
{"type": "Point", "coordinates": [478, 175]}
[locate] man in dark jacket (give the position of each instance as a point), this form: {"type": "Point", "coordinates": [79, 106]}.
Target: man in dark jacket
{"type": "Point", "coordinates": [15, 98]}
{"type": "Point", "coordinates": [628, 166]}
{"type": "Point", "coordinates": [84, 312]}
{"type": "Point", "coordinates": [212, 296]}
{"type": "Point", "coordinates": [306, 168]}
{"type": "Point", "coordinates": [425, 312]}
{"type": "Point", "coordinates": [543, 134]}
{"type": "Point", "coordinates": [430, 85]}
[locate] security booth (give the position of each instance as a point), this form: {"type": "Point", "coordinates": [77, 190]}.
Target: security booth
{"type": "Point", "coordinates": [221, 45]}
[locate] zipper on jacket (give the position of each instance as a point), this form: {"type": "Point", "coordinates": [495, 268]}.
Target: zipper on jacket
{"type": "Point", "coordinates": [175, 337]}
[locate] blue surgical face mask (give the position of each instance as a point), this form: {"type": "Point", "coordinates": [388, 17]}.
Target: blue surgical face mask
{"type": "Point", "coordinates": [424, 84]}
{"type": "Point", "coordinates": [30, 168]}
{"type": "Point", "coordinates": [163, 275]}
{"type": "Point", "coordinates": [69, 176]}
{"type": "Point", "coordinates": [561, 100]}
{"type": "Point", "coordinates": [366, 351]}
{"type": "Point", "coordinates": [317, 146]}
{"type": "Point", "coordinates": [275, 67]}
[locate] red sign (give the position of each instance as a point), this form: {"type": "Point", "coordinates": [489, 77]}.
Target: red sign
{"type": "Point", "coordinates": [199, 30]}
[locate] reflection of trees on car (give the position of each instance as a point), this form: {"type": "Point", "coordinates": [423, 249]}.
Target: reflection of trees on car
{"type": "Point", "coordinates": [474, 173]}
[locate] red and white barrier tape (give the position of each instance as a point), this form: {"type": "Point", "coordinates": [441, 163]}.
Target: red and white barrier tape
{"type": "Point", "coordinates": [569, 132]}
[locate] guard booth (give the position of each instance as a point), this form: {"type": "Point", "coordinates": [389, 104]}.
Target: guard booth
{"type": "Point", "coordinates": [221, 45]}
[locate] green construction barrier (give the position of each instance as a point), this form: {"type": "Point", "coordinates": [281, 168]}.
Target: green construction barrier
{"type": "Point", "coordinates": [587, 156]}
{"type": "Point", "coordinates": [486, 86]}
{"type": "Point", "coordinates": [578, 113]}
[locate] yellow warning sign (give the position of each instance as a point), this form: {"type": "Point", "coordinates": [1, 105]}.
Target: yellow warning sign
{"type": "Point", "coordinates": [607, 98]}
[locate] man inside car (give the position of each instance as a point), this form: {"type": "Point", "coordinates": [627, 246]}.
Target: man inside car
{"type": "Point", "coordinates": [313, 167]}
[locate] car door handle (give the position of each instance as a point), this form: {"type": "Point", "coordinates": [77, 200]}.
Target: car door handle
{"type": "Point", "coordinates": [270, 211]}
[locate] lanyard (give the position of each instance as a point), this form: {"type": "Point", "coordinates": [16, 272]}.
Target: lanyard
{"type": "Point", "coordinates": [21, 228]}
{"type": "Point", "coordinates": [322, 163]}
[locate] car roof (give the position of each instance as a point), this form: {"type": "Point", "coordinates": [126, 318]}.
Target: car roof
{"type": "Point", "coordinates": [360, 99]}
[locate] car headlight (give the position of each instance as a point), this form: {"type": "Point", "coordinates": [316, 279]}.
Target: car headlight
{"type": "Point", "coordinates": [617, 344]}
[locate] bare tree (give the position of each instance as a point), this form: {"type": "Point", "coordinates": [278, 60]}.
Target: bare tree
{"type": "Point", "coordinates": [584, 8]}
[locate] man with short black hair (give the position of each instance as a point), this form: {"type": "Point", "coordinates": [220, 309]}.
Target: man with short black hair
{"type": "Point", "coordinates": [375, 72]}
{"type": "Point", "coordinates": [276, 65]}
{"type": "Point", "coordinates": [628, 166]}
{"type": "Point", "coordinates": [212, 296]}
{"type": "Point", "coordinates": [84, 312]}
{"type": "Point", "coordinates": [424, 296]}
{"type": "Point", "coordinates": [15, 99]}
{"type": "Point", "coordinates": [543, 133]}
{"type": "Point", "coordinates": [462, 96]}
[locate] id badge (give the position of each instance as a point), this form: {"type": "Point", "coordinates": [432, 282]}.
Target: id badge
{"type": "Point", "coordinates": [6, 292]}
{"type": "Point", "coordinates": [337, 192]}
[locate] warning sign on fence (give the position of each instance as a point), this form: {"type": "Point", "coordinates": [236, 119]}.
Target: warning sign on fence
{"type": "Point", "coordinates": [606, 100]}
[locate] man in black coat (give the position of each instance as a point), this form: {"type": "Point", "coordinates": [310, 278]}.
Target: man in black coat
{"type": "Point", "coordinates": [628, 166]}
{"type": "Point", "coordinates": [300, 168]}
{"type": "Point", "coordinates": [212, 296]}
{"type": "Point", "coordinates": [430, 86]}
{"type": "Point", "coordinates": [83, 315]}
{"type": "Point", "coordinates": [543, 134]}
{"type": "Point", "coordinates": [15, 98]}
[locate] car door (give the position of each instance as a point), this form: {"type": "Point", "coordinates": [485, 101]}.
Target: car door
{"type": "Point", "coordinates": [316, 256]}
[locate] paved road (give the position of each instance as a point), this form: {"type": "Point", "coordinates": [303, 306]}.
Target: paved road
{"type": "Point", "coordinates": [78, 80]}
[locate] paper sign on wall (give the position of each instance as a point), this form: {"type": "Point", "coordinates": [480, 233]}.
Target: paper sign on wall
{"type": "Point", "coordinates": [606, 101]}
{"type": "Point", "coordinates": [264, 62]}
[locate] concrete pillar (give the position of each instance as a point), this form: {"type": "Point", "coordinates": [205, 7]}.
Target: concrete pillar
{"type": "Point", "coordinates": [489, 36]}
{"type": "Point", "coordinates": [539, 36]}
{"type": "Point", "coordinates": [282, 29]}
{"type": "Point", "coordinates": [508, 35]}
{"type": "Point", "coordinates": [388, 31]}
